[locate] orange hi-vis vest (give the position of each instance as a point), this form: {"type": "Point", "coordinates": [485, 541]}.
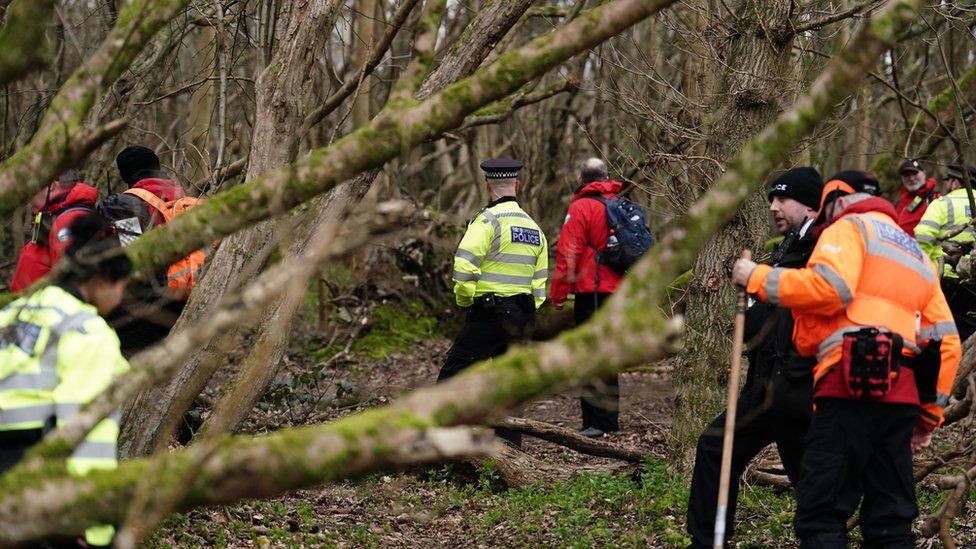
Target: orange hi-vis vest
{"type": "Point", "coordinates": [182, 275]}
{"type": "Point", "coordinates": [865, 272]}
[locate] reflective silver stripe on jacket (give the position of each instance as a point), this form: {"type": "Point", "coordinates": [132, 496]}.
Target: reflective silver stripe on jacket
{"type": "Point", "coordinates": [466, 277]}
{"type": "Point", "coordinates": [925, 238]}
{"type": "Point", "coordinates": [514, 214]}
{"type": "Point", "coordinates": [496, 242]}
{"type": "Point", "coordinates": [25, 414]}
{"type": "Point", "coordinates": [461, 253]}
{"type": "Point", "coordinates": [47, 377]}
{"type": "Point", "coordinates": [772, 285]}
{"type": "Point", "coordinates": [877, 248]}
{"type": "Point", "coordinates": [64, 410]}
{"type": "Point", "coordinates": [941, 399]}
{"type": "Point", "coordinates": [835, 280]}
{"type": "Point", "coordinates": [539, 292]}
{"type": "Point", "coordinates": [96, 450]}
{"type": "Point", "coordinates": [514, 259]}
{"type": "Point", "coordinates": [930, 223]}
{"type": "Point", "coordinates": [542, 273]}
{"type": "Point", "coordinates": [507, 279]}
{"type": "Point", "coordinates": [943, 328]}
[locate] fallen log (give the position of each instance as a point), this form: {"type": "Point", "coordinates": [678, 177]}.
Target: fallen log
{"type": "Point", "coordinates": [569, 439]}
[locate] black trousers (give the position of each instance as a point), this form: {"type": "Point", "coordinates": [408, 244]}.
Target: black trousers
{"type": "Point", "coordinates": [857, 450]}
{"type": "Point", "coordinates": [600, 400]}
{"type": "Point", "coordinates": [766, 413]}
{"type": "Point", "coordinates": [487, 333]}
{"type": "Point", "coordinates": [13, 446]}
{"type": "Point", "coordinates": [962, 302]}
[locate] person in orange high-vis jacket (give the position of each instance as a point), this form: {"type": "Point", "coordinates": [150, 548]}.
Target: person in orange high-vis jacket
{"type": "Point", "coordinates": [866, 288]}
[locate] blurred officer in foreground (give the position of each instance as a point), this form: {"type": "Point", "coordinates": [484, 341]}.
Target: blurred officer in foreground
{"type": "Point", "coordinates": [868, 305]}
{"type": "Point", "coordinates": [500, 273]}
{"type": "Point", "coordinates": [58, 354]}
{"type": "Point", "coordinates": [775, 405]}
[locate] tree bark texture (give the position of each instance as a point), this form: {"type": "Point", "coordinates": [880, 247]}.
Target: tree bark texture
{"type": "Point", "coordinates": [259, 368]}
{"type": "Point", "coordinates": [628, 330]}
{"type": "Point", "coordinates": [62, 139]}
{"type": "Point", "coordinates": [24, 47]}
{"type": "Point", "coordinates": [749, 96]}
{"type": "Point", "coordinates": [281, 109]}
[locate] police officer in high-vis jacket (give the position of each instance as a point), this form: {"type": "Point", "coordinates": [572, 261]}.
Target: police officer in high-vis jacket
{"type": "Point", "coordinates": [950, 215]}
{"type": "Point", "coordinates": [500, 272]}
{"type": "Point", "coordinates": [57, 354]}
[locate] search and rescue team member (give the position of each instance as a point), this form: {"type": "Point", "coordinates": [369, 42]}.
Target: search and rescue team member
{"type": "Point", "coordinates": [58, 354]}
{"type": "Point", "coordinates": [500, 273]}
{"type": "Point", "coordinates": [947, 214]}
{"type": "Point", "coordinates": [869, 306]}
{"type": "Point", "coordinates": [775, 404]}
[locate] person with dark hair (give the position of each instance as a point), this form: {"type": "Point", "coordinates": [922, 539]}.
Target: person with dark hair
{"type": "Point", "coordinates": [55, 208]}
{"type": "Point", "coordinates": [776, 401]}
{"type": "Point", "coordinates": [149, 310]}
{"type": "Point", "coordinates": [869, 307]}
{"type": "Point", "coordinates": [58, 354]}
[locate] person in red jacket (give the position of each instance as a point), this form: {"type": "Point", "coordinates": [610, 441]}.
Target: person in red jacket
{"type": "Point", "coordinates": [584, 232]}
{"type": "Point", "coordinates": [55, 208]}
{"type": "Point", "coordinates": [149, 310]}
{"type": "Point", "coordinates": [917, 192]}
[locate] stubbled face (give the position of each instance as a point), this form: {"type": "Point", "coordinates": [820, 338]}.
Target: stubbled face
{"type": "Point", "coordinates": [789, 214]}
{"type": "Point", "coordinates": [913, 181]}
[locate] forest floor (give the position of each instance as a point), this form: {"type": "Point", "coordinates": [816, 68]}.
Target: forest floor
{"type": "Point", "coordinates": [596, 506]}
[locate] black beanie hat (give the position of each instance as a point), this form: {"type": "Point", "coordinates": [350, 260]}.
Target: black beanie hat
{"type": "Point", "coordinates": [802, 184]}
{"type": "Point", "coordinates": [133, 160]}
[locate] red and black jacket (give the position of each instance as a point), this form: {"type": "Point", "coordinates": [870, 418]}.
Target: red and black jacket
{"type": "Point", "coordinates": [584, 232]}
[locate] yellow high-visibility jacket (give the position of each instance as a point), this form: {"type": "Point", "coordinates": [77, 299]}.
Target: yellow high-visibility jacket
{"type": "Point", "coordinates": [503, 252]}
{"type": "Point", "coordinates": [944, 215]}
{"type": "Point", "coordinates": [56, 355]}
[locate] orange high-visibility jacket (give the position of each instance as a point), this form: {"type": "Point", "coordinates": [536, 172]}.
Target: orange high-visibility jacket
{"type": "Point", "coordinates": [865, 271]}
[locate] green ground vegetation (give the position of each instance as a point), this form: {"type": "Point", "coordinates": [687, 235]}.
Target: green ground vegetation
{"type": "Point", "coordinates": [588, 510]}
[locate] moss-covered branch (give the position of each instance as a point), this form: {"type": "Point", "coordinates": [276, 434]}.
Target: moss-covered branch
{"type": "Point", "coordinates": [24, 45]}
{"type": "Point", "coordinates": [629, 330]}
{"type": "Point", "coordinates": [398, 128]}
{"type": "Point", "coordinates": [61, 140]}
{"type": "Point", "coordinates": [234, 468]}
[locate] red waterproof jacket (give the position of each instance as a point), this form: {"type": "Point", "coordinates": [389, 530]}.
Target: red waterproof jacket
{"type": "Point", "coordinates": [584, 232]}
{"type": "Point", "coordinates": [37, 258]}
{"type": "Point", "coordinates": [912, 204]}
{"type": "Point", "coordinates": [122, 206]}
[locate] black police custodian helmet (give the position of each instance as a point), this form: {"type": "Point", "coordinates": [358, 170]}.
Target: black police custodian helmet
{"type": "Point", "coordinates": [501, 168]}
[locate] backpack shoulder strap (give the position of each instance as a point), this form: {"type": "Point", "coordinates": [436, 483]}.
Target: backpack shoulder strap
{"type": "Point", "coordinates": [157, 203]}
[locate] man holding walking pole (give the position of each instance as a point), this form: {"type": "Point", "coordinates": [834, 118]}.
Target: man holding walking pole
{"type": "Point", "coordinates": [775, 403]}
{"type": "Point", "coordinates": [868, 305]}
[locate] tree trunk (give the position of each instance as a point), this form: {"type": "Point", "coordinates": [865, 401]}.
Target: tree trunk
{"type": "Point", "coordinates": [281, 102]}
{"type": "Point", "coordinates": [748, 98]}
{"type": "Point", "coordinates": [50, 501]}
{"type": "Point", "coordinates": [261, 365]}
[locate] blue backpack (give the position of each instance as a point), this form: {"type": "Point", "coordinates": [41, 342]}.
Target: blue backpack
{"type": "Point", "coordinates": [629, 237]}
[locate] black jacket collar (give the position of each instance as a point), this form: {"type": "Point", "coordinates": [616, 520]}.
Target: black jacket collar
{"type": "Point", "coordinates": [501, 200]}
